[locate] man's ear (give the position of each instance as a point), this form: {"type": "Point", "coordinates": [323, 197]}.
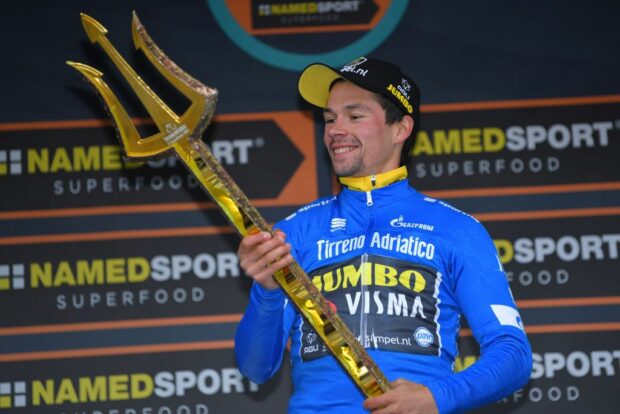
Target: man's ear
{"type": "Point", "coordinates": [403, 129]}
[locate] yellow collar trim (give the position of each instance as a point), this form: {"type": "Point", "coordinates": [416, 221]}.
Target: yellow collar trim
{"type": "Point", "coordinates": [380, 180]}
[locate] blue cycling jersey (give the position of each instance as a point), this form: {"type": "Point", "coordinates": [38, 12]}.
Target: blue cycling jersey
{"type": "Point", "coordinates": [401, 268]}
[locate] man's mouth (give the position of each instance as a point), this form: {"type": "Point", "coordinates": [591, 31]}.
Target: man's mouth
{"type": "Point", "coordinates": [342, 150]}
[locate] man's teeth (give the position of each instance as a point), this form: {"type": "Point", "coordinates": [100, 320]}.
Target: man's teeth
{"type": "Point", "coordinates": [343, 149]}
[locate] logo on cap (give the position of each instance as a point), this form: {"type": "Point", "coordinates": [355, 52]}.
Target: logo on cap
{"type": "Point", "coordinates": [401, 97]}
{"type": "Point", "coordinates": [352, 67]}
{"type": "Point", "coordinates": [405, 87]}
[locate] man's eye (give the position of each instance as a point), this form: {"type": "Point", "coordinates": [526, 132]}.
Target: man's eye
{"type": "Point", "coordinates": [329, 120]}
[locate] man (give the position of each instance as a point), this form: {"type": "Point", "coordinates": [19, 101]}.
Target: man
{"type": "Point", "coordinates": [400, 268]}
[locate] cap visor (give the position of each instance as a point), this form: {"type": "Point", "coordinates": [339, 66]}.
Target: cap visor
{"type": "Point", "coordinates": [314, 83]}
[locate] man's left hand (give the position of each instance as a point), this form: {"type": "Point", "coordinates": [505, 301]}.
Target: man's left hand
{"type": "Point", "coordinates": [404, 397]}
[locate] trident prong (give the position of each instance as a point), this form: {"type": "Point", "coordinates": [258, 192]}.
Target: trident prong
{"type": "Point", "coordinates": [172, 127]}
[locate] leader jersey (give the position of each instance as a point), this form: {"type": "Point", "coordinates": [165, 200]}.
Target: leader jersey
{"type": "Point", "coordinates": [401, 269]}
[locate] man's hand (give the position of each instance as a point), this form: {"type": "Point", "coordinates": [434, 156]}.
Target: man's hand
{"type": "Point", "coordinates": [261, 255]}
{"type": "Point", "coordinates": [405, 397]}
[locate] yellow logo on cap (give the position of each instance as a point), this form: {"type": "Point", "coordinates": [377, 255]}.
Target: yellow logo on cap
{"type": "Point", "coordinates": [403, 100]}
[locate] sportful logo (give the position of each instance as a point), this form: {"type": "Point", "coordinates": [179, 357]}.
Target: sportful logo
{"type": "Point", "coordinates": [338, 224]}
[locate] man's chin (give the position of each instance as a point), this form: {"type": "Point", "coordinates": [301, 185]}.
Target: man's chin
{"type": "Point", "coordinates": [346, 169]}
{"type": "Point", "coordinates": [346, 172]}
{"type": "Point", "coordinates": [339, 170]}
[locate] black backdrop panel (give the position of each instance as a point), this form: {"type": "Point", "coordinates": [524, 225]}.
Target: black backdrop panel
{"type": "Point", "coordinates": [120, 290]}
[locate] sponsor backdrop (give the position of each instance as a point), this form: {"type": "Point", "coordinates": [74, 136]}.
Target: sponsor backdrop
{"type": "Point", "coordinates": [120, 289]}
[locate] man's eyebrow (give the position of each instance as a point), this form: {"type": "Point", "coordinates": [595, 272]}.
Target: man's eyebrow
{"type": "Point", "coordinates": [348, 107]}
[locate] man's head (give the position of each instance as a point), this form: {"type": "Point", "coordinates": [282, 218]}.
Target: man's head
{"type": "Point", "coordinates": [381, 85]}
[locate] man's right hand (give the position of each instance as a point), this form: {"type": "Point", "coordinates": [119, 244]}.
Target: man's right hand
{"type": "Point", "coordinates": [261, 255]}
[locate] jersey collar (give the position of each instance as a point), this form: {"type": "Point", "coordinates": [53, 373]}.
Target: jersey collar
{"type": "Point", "coordinates": [380, 180]}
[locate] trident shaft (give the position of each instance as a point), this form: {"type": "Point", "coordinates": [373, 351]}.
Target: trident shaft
{"type": "Point", "coordinates": [181, 134]}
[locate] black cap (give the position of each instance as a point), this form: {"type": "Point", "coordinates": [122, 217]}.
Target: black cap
{"type": "Point", "coordinates": [383, 78]}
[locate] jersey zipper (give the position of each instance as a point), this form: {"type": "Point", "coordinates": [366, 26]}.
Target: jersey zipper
{"type": "Point", "coordinates": [364, 335]}
{"type": "Point", "coordinates": [373, 182]}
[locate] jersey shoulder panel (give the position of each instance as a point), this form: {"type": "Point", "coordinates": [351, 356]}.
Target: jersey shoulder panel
{"type": "Point", "coordinates": [459, 223]}
{"type": "Point", "coordinates": [306, 218]}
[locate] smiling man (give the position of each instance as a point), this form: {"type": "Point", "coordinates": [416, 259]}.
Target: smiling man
{"type": "Point", "coordinates": [359, 141]}
{"type": "Point", "coordinates": [400, 267]}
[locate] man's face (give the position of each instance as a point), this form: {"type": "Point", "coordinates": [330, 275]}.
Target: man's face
{"type": "Point", "coordinates": [359, 141]}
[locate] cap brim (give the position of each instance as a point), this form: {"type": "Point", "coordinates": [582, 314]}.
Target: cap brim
{"type": "Point", "coordinates": [314, 83]}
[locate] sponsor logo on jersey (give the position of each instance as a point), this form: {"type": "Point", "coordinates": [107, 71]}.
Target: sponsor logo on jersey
{"type": "Point", "coordinates": [401, 223]}
{"type": "Point", "coordinates": [338, 224]}
{"type": "Point", "coordinates": [408, 245]}
{"type": "Point", "coordinates": [508, 316]}
{"type": "Point", "coordinates": [423, 337]}
{"type": "Point", "coordinates": [395, 299]}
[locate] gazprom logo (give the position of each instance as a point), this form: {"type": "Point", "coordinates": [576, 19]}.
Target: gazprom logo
{"type": "Point", "coordinates": [400, 222]}
{"type": "Point", "coordinates": [397, 222]}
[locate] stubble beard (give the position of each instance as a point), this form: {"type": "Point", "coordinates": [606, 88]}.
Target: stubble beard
{"type": "Point", "coordinates": [349, 170]}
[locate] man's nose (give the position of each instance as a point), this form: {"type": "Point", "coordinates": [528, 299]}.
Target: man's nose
{"type": "Point", "coordinates": [336, 128]}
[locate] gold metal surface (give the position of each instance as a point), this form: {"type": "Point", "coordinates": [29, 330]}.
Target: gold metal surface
{"type": "Point", "coordinates": [181, 135]}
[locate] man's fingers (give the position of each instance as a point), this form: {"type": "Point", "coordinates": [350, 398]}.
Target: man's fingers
{"type": "Point", "coordinates": [383, 400]}
{"type": "Point", "coordinates": [399, 383]}
{"type": "Point", "coordinates": [273, 255]}
{"type": "Point", "coordinates": [263, 254]}
{"type": "Point", "coordinates": [404, 397]}
{"type": "Point", "coordinates": [257, 263]}
{"type": "Point", "coordinates": [281, 263]}
{"type": "Point", "coordinates": [266, 245]}
{"type": "Point", "coordinates": [254, 247]}
{"type": "Point", "coordinates": [285, 261]}
{"type": "Point", "coordinates": [376, 403]}
{"type": "Point", "coordinates": [249, 242]}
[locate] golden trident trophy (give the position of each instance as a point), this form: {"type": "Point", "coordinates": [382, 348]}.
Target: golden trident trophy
{"type": "Point", "coordinates": [181, 135]}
